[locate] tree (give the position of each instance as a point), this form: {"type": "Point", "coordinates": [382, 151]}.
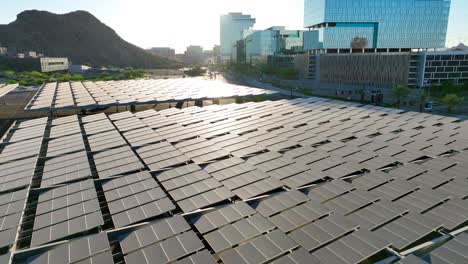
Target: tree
{"type": "Point", "coordinates": [452, 101]}
{"type": "Point", "coordinates": [448, 87]}
{"type": "Point", "coordinates": [400, 92]}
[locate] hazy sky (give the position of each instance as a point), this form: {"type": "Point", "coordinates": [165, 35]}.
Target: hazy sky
{"type": "Point", "coordinates": [179, 23]}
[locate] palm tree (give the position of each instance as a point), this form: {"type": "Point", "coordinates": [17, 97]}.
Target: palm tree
{"type": "Point", "coordinates": [400, 92]}
{"type": "Point", "coordinates": [452, 101]}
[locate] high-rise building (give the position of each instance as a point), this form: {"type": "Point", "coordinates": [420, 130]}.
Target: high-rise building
{"type": "Point", "coordinates": [373, 24]}
{"type": "Point", "coordinates": [369, 46]}
{"type": "Point", "coordinates": [232, 27]}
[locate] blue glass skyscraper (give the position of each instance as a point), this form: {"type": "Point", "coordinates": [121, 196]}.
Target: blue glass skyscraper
{"type": "Point", "coordinates": [374, 24]}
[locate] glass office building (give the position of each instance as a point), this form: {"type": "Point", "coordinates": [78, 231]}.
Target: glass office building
{"type": "Point", "coordinates": [344, 24]}
{"type": "Point", "coordinates": [232, 28]}
{"type": "Point", "coordinates": [271, 41]}
{"type": "Point", "coordinates": [261, 42]}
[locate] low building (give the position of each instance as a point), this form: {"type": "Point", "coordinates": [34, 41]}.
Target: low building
{"type": "Point", "coordinates": [435, 68]}
{"type": "Point", "coordinates": [54, 64]}
{"type": "Point", "coordinates": [3, 51]}
{"type": "Point", "coordinates": [217, 54]}
{"type": "Point", "coordinates": [414, 69]}
{"type": "Point", "coordinates": [164, 52]}
{"type": "Point", "coordinates": [280, 61]}
{"type": "Point", "coordinates": [74, 69]}
{"type": "Point", "coordinates": [349, 73]}
{"type": "Point", "coordinates": [30, 54]}
{"type": "Point", "coordinates": [194, 55]}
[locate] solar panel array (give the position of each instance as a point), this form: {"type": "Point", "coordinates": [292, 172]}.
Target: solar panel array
{"type": "Point", "coordinates": [290, 181]}
{"type": "Point", "coordinates": [5, 89]}
{"type": "Point", "coordinates": [89, 95]}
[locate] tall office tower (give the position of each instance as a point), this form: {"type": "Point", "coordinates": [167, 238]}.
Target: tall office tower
{"type": "Point", "coordinates": [232, 28]}
{"type": "Point", "coordinates": [371, 24]}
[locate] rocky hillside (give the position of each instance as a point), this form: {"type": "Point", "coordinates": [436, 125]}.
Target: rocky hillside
{"type": "Point", "coordinates": [79, 36]}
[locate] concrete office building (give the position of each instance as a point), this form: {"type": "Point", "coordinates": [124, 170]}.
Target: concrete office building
{"type": "Point", "coordinates": [232, 27]}
{"type": "Point", "coordinates": [378, 24]}
{"type": "Point", "coordinates": [54, 64]}
{"type": "Point", "coordinates": [165, 52]}
{"type": "Point", "coordinates": [435, 68]}
{"type": "Point", "coordinates": [348, 74]}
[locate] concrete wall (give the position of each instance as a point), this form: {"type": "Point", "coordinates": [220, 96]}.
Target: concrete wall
{"type": "Point", "coordinates": [301, 65]}
{"type": "Point", "coordinates": [376, 69]}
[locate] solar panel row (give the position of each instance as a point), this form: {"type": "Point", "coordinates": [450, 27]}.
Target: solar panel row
{"type": "Point", "coordinates": [290, 181]}
{"type": "Point", "coordinates": [88, 95]}
{"type": "Point", "coordinates": [5, 89]}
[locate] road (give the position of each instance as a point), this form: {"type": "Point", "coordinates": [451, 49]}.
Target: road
{"type": "Point", "coordinates": [245, 80]}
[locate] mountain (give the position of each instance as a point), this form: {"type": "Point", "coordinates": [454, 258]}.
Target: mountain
{"type": "Point", "coordinates": [79, 36]}
{"type": "Point", "coordinates": [460, 47]}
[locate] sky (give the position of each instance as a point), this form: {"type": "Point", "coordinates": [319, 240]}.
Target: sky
{"type": "Point", "coordinates": [180, 23]}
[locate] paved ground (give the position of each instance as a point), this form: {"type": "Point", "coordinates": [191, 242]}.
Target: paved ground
{"type": "Point", "coordinates": [12, 108]}
{"type": "Point", "coordinates": [245, 80]}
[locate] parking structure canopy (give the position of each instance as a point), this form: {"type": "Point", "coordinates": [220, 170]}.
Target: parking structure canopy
{"type": "Point", "coordinates": [290, 181]}
{"type": "Point", "coordinates": [102, 94]}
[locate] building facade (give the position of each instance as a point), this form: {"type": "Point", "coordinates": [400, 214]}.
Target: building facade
{"type": "Point", "coordinates": [232, 27]}
{"type": "Point", "coordinates": [194, 55]}
{"type": "Point", "coordinates": [436, 68]}
{"type": "Point", "coordinates": [261, 44]}
{"type": "Point", "coordinates": [54, 64]}
{"type": "Point", "coordinates": [377, 24]}
{"type": "Point", "coordinates": [3, 51]}
{"type": "Point", "coordinates": [30, 54]}
{"type": "Point", "coordinates": [414, 69]}
{"type": "Point", "coordinates": [164, 52]}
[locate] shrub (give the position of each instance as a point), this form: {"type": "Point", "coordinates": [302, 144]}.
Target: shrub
{"type": "Point", "coordinates": [452, 101]}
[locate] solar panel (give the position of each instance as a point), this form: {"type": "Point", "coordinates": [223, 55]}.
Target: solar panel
{"type": "Point", "coordinates": [453, 251]}
{"type": "Point", "coordinates": [340, 181]}
{"type": "Point", "coordinates": [59, 230]}
{"type": "Point", "coordinates": [134, 198]}
{"type": "Point", "coordinates": [323, 231]}
{"type": "Point", "coordinates": [88, 95]}
{"type": "Point", "coordinates": [75, 167]}
{"type": "Point", "coordinates": [11, 208]}
{"type": "Point", "coordinates": [353, 248]}
{"type": "Point", "coordinates": [260, 249]}
{"type": "Point", "coordinates": [404, 231]}
{"type": "Point", "coordinates": [89, 249]}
